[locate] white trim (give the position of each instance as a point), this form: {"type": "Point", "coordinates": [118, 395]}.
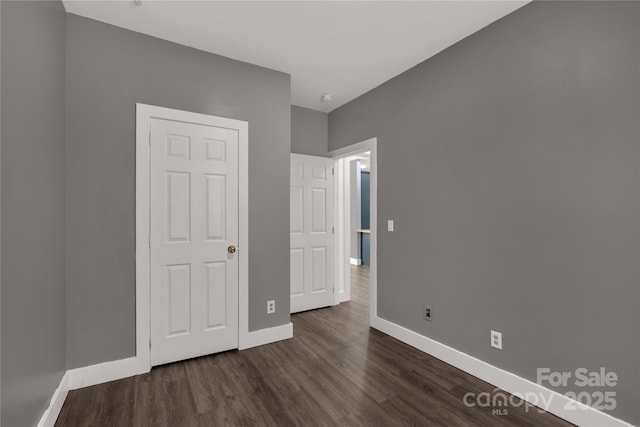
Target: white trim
{"type": "Point", "coordinates": [50, 415]}
{"type": "Point", "coordinates": [110, 371]}
{"type": "Point", "coordinates": [86, 376]}
{"type": "Point", "coordinates": [338, 251]}
{"type": "Point", "coordinates": [143, 255]}
{"type": "Point", "coordinates": [102, 373]}
{"type": "Point", "coordinates": [370, 145]}
{"type": "Point", "coordinates": [585, 416]}
{"type": "Point", "coordinates": [341, 207]}
{"type": "Point", "coordinates": [144, 114]}
{"type": "Point", "coordinates": [344, 297]}
{"type": "Point", "coordinates": [308, 156]}
{"type": "Point", "coordinates": [243, 233]}
{"type": "Point", "coordinates": [352, 149]}
{"type": "Point", "coordinates": [354, 261]}
{"type": "Point", "coordinates": [267, 336]}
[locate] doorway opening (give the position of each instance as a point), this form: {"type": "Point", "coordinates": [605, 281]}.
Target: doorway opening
{"type": "Point", "coordinates": [356, 223]}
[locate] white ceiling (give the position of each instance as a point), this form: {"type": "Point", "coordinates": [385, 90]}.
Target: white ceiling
{"type": "Point", "coordinates": [345, 48]}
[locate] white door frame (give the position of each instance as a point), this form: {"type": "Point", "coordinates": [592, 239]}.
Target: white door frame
{"type": "Point", "coordinates": [144, 114]}
{"type": "Point", "coordinates": [341, 272]}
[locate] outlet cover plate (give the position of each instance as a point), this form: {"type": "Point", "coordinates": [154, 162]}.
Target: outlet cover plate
{"type": "Point", "coordinates": [271, 306]}
{"type": "Point", "coordinates": [428, 313]}
{"type": "Point", "coordinates": [496, 340]}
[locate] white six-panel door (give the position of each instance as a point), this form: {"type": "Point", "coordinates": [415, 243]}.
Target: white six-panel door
{"type": "Point", "coordinates": [194, 221]}
{"type": "Point", "coordinates": [311, 216]}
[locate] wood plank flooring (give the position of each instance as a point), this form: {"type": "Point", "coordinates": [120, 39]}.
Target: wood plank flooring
{"type": "Point", "coordinates": [336, 371]}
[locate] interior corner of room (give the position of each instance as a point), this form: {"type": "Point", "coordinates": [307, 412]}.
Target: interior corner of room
{"type": "Point", "coordinates": [246, 227]}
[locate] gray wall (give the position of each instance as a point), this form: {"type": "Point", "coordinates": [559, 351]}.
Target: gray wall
{"type": "Point", "coordinates": [0, 218]}
{"type": "Point", "coordinates": [308, 131]}
{"type": "Point", "coordinates": [519, 148]}
{"type": "Point", "coordinates": [109, 70]}
{"type": "Point", "coordinates": [33, 133]}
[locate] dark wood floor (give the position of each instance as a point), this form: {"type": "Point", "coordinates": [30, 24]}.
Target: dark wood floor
{"type": "Point", "coordinates": [336, 371]}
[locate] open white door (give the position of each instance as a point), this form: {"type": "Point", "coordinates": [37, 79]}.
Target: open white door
{"type": "Point", "coordinates": [311, 230]}
{"type": "Point", "coordinates": [194, 231]}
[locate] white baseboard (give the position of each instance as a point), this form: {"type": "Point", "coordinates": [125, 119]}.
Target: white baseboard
{"type": "Point", "coordinates": [50, 416]}
{"type": "Point", "coordinates": [87, 376]}
{"type": "Point", "coordinates": [355, 261]}
{"type": "Point", "coordinates": [84, 377]}
{"type": "Point", "coordinates": [267, 336]}
{"type": "Point", "coordinates": [584, 416]}
{"type": "Point", "coordinates": [102, 373]}
{"type": "Point", "coordinates": [123, 368]}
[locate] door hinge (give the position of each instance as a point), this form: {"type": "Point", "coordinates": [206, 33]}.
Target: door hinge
{"type": "Point", "coordinates": [333, 172]}
{"type": "Point", "coordinates": [332, 230]}
{"type": "Point", "coordinates": [149, 240]}
{"type": "Point", "coordinates": [149, 137]}
{"type": "Point", "coordinates": [149, 343]}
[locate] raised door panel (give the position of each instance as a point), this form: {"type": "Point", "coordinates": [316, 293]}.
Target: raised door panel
{"type": "Point", "coordinates": [178, 206]}
{"type": "Point", "coordinates": [319, 173]}
{"type": "Point", "coordinates": [178, 146]}
{"type": "Point", "coordinates": [216, 209]}
{"type": "Point", "coordinates": [318, 210]}
{"type": "Point", "coordinates": [319, 269]}
{"type": "Point", "coordinates": [297, 170]}
{"type": "Point", "coordinates": [178, 307]}
{"type": "Point", "coordinates": [296, 211]}
{"type": "Point", "coordinates": [297, 271]}
{"type": "Point", "coordinates": [216, 149]}
{"type": "Point", "coordinates": [216, 295]}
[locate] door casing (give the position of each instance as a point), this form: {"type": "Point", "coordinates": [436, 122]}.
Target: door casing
{"type": "Point", "coordinates": [144, 114]}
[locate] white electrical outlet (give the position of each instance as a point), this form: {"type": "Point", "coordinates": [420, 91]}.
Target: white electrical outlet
{"type": "Point", "coordinates": [271, 307]}
{"type": "Point", "coordinates": [496, 340]}
{"type": "Point", "coordinates": [427, 313]}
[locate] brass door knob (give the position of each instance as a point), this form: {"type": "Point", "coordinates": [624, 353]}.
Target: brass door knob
{"type": "Point", "coordinates": [231, 249]}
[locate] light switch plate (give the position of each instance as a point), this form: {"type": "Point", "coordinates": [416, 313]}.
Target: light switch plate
{"type": "Point", "coordinates": [390, 225]}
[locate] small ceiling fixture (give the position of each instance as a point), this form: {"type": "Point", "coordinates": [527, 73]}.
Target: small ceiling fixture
{"type": "Point", "coordinates": [137, 2]}
{"type": "Point", "coordinates": [326, 97]}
